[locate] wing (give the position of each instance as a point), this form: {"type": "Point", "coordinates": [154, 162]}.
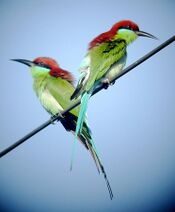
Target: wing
{"type": "Point", "coordinates": [62, 90]}
{"type": "Point", "coordinates": [103, 57]}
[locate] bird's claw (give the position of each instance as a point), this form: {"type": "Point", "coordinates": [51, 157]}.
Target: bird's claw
{"type": "Point", "coordinates": [106, 83]}
{"type": "Point", "coordinates": [55, 117]}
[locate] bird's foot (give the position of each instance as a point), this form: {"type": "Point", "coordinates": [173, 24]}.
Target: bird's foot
{"type": "Point", "coordinates": [61, 116]}
{"type": "Point", "coordinates": [105, 83]}
{"type": "Point", "coordinates": [55, 117]}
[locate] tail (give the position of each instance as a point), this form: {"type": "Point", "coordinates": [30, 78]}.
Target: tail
{"type": "Point", "coordinates": [83, 109]}
{"type": "Point", "coordinates": [99, 165]}
{"type": "Point", "coordinates": [80, 121]}
{"type": "Point", "coordinates": [86, 137]}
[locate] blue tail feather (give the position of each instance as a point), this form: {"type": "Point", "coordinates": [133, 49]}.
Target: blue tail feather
{"type": "Point", "coordinates": [80, 121]}
{"type": "Point", "coordinates": [83, 109]}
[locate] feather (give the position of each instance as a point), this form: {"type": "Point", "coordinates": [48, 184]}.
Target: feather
{"type": "Point", "coordinates": [99, 165]}
{"type": "Point", "coordinates": [80, 121]}
{"type": "Point", "coordinates": [83, 109]}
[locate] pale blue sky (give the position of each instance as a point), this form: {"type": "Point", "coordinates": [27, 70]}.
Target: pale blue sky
{"type": "Point", "coordinates": [132, 122]}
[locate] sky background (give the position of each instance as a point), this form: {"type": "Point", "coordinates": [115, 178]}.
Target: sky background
{"type": "Point", "coordinates": [133, 122]}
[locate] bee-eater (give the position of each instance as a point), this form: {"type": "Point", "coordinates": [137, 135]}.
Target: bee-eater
{"type": "Point", "coordinates": [54, 87]}
{"type": "Point", "coordinates": [105, 59]}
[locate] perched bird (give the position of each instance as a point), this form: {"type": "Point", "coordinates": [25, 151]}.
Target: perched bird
{"type": "Point", "coordinates": [54, 87]}
{"type": "Point", "coordinates": [105, 59]}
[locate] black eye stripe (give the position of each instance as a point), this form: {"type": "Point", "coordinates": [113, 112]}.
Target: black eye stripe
{"type": "Point", "coordinates": [126, 27]}
{"type": "Point", "coordinates": [41, 64]}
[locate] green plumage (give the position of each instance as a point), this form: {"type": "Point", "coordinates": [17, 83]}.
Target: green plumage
{"type": "Point", "coordinates": [106, 55]}
{"type": "Point", "coordinates": [102, 58]}
{"type": "Point", "coordinates": [50, 88]}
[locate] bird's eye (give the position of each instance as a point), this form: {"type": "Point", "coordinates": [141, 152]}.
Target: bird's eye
{"type": "Point", "coordinates": [125, 27]}
{"type": "Point", "coordinates": [41, 64]}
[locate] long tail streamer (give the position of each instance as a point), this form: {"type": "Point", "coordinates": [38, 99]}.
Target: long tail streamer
{"type": "Point", "coordinates": [102, 169]}
{"type": "Point", "coordinates": [80, 121]}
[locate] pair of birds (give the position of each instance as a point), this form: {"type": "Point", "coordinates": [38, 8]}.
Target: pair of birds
{"type": "Point", "coordinates": [104, 60]}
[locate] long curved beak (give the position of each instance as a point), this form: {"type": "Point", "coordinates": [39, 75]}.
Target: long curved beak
{"type": "Point", "coordinates": [145, 34]}
{"type": "Point", "coordinates": [26, 62]}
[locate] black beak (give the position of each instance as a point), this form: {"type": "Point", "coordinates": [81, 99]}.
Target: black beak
{"type": "Point", "coordinates": [145, 34]}
{"type": "Point", "coordinates": [26, 62]}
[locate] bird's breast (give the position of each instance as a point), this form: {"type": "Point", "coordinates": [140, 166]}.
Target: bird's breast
{"type": "Point", "coordinates": [116, 68]}
{"type": "Point", "coordinates": [46, 98]}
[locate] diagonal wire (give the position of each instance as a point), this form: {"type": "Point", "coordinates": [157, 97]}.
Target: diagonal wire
{"type": "Point", "coordinates": [58, 117]}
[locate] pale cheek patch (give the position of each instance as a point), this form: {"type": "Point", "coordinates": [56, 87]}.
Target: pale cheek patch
{"type": "Point", "coordinates": [39, 71]}
{"type": "Point", "coordinates": [126, 34]}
